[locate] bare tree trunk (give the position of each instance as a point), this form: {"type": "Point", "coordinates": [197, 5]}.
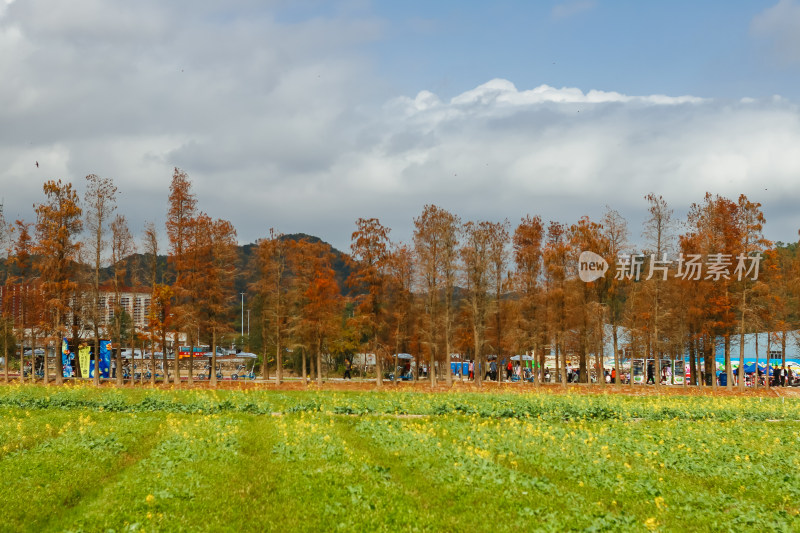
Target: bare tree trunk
{"type": "Point", "coordinates": [741, 353]}
{"type": "Point", "coordinates": [46, 366]}
{"type": "Point", "coordinates": [447, 348]}
{"type": "Point", "coordinates": [755, 381]}
{"type": "Point", "coordinates": [305, 381]}
{"type": "Point", "coordinates": [152, 361]}
{"type": "Point", "coordinates": [212, 372]}
{"type": "Point", "coordinates": [5, 350]}
{"type": "Point", "coordinates": [769, 354]}
{"type": "Point", "coordinates": [165, 362]}
{"type": "Point", "coordinates": [710, 361]}
{"type": "Point", "coordinates": [319, 362]}
{"type": "Point", "coordinates": [59, 380]}
{"type": "Point", "coordinates": [177, 370]}
{"type": "Point", "coordinates": [557, 369]}
{"type": "Point", "coordinates": [191, 362]}
{"type": "Point", "coordinates": [118, 362]}
{"type": "Point", "coordinates": [432, 366]}
{"type": "Point", "coordinates": [378, 366]}
{"type": "Point", "coordinates": [783, 350]}
{"type": "Point", "coordinates": [141, 374]}
{"type": "Point", "coordinates": [33, 359]}
{"type": "Point", "coordinates": [278, 354]}
{"type": "Point", "coordinates": [617, 376]}
{"type": "Point", "coordinates": [728, 369]}
{"type": "Point", "coordinates": [96, 358]}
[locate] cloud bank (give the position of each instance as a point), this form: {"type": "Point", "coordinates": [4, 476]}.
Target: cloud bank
{"type": "Point", "coordinates": [282, 123]}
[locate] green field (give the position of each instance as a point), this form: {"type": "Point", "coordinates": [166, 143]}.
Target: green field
{"type": "Point", "coordinates": [81, 459]}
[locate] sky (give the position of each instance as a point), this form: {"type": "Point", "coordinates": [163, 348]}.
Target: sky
{"type": "Point", "coordinates": [304, 115]}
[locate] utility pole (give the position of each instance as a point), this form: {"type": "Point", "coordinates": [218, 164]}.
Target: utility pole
{"type": "Point", "coordinates": [242, 316]}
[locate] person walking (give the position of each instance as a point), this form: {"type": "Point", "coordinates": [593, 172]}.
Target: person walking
{"type": "Point", "coordinates": [347, 367]}
{"type": "Point", "coordinates": [509, 370]}
{"type": "Point", "coordinates": [471, 369]}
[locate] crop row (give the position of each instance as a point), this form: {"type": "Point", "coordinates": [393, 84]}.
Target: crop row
{"type": "Point", "coordinates": [521, 406]}
{"type": "Point", "coordinates": [308, 470]}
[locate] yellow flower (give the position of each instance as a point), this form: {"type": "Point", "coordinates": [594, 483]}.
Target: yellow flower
{"type": "Point", "coordinates": [150, 499]}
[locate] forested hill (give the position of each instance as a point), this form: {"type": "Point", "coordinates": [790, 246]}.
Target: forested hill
{"type": "Point", "coordinates": [138, 267]}
{"type": "Point", "coordinates": [248, 271]}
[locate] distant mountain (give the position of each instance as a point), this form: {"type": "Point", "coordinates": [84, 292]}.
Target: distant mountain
{"type": "Point", "coordinates": [248, 272]}
{"type": "Point", "coordinates": [138, 267]}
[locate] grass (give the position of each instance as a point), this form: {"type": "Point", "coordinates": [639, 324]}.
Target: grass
{"type": "Point", "coordinates": [81, 459]}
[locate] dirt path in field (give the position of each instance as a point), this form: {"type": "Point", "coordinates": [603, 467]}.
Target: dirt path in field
{"type": "Point", "coordinates": [338, 384]}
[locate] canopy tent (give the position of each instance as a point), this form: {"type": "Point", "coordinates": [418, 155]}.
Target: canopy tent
{"type": "Point", "coordinates": [748, 362]}
{"type": "Point", "coordinates": [407, 356]}
{"type": "Point", "coordinates": [750, 368]}
{"type": "Point", "coordinates": [524, 357]}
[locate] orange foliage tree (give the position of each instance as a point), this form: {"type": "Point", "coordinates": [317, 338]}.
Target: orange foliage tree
{"type": "Point", "coordinates": [58, 224]}
{"type": "Point", "coordinates": [370, 252]}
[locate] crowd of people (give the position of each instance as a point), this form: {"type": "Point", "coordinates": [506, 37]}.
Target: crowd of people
{"type": "Point", "coordinates": [513, 371]}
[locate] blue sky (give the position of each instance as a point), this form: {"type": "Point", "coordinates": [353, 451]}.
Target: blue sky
{"type": "Point", "coordinates": [304, 115]}
{"type": "Point", "coordinates": [701, 48]}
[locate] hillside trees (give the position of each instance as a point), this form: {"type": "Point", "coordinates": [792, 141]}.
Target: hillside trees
{"type": "Point", "coordinates": [58, 224]}
{"type": "Point", "coordinates": [527, 247]}
{"type": "Point", "coordinates": [586, 313]}
{"type": "Point", "coordinates": [436, 239]}
{"type": "Point", "coordinates": [272, 288]}
{"type": "Point", "coordinates": [122, 246]}
{"type": "Point", "coordinates": [180, 215]}
{"type": "Point", "coordinates": [370, 251]}
{"type": "Point", "coordinates": [5, 311]}
{"type": "Point", "coordinates": [100, 202]}
{"type": "Point", "coordinates": [20, 275]}
{"type": "Point", "coordinates": [615, 229]}
{"type": "Point", "coordinates": [498, 272]}
{"type": "Point", "coordinates": [318, 304]}
{"type": "Point", "coordinates": [401, 299]}
{"type": "Point", "coordinates": [216, 272]}
{"type": "Point", "coordinates": [475, 260]}
{"type": "Point", "coordinates": [750, 220]}
{"type": "Point", "coordinates": [150, 243]}
{"type": "Point", "coordinates": [715, 233]}
{"type": "Point", "coordinates": [556, 259]}
{"type": "Point", "coordinates": [658, 239]}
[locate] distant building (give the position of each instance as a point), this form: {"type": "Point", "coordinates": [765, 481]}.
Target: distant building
{"type": "Point", "coordinates": [136, 304]}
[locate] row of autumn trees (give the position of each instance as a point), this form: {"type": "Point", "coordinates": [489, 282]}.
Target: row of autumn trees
{"type": "Point", "coordinates": [53, 282]}
{"type": "Point", "coordinates": [481, 288]}
{"type": "Point", "coordinates": [476, 288]}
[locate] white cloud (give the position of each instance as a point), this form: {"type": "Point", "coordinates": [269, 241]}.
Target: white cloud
{"type": "Point", "coordinates": [779, 26]}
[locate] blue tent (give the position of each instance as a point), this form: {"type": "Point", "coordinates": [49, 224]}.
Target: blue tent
{"type": "Point", "coordinates": [750, 368]}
